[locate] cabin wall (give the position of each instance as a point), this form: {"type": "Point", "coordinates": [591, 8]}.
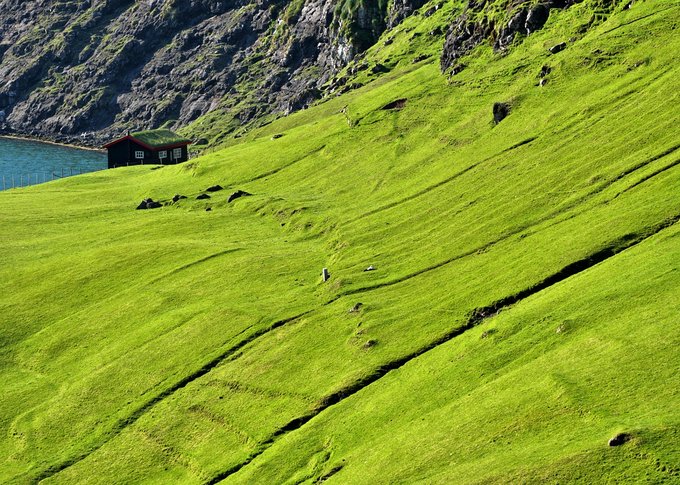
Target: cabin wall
{"type": "Point", "coordinates": [124, 153]}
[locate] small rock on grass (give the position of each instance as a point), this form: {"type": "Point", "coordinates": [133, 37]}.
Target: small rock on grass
{"type": "Point", "coordinates": [149, 204]}
{"type": "Point", "coordinates": [558, 48]}
{"type": "Point", "coordinates": [214, 188]}
{"type": "Point", "coordinates": [370, 268]}
{"type": "Point", "coordinates": [178, 197]}
{"type": "Point", "coordinates": [203, 197]}
{"type": "Point", "coordinates": [356, 307]}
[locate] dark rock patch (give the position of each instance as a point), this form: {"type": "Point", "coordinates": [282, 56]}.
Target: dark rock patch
{"type": "Point", "coordinates": [545, 70]}
{"type": "Point", "coordinates": [398, 104]}
{"type": "Point", "coordinates": [149, 204]}
{"type": "Point", "coordinates": [619, 439]}
{"type": "Point", "coordinates": [203, 197]}
{"type": "Point", "coordinates": [277, 136]}
{"type": "Point", "coordinates": [536, 18]}
{"type": "Point", "coordinates": [200, 142]}
{"type": "Point", "coordinates": [462, 37]}
{"type": "Point", "coordinates": [214, 188]}
{"type": "Point", "coordinates": [370, 343]}
{"type": "Point", "coordinates": [464, 34]}
{"type": "Point", "coordinates": [500, 112]}
{"type": "Point", "coordinates": [238, 194]}
{"type": "Point", "coordinates": [379, 68]}
{"type": "Point", "coordinates": [178, 197]}
{"type": "Point", "coordinates": [208, 209]}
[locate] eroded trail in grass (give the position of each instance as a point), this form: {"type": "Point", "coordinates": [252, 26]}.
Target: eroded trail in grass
{"type": "Point", "coordinates": [121, 425]}
{"type": "Point", "coordinates": [477, 316]}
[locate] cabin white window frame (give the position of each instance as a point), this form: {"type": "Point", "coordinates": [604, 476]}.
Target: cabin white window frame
{"type": "Point", "coordinates": [177, 153]}
{"type": "Point", "coordinates": [163, 154]}
{"type": "Point", "coordinates": [139, 155]}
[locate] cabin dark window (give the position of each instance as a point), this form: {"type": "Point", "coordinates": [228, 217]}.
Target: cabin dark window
{"type": "Point", "coordinates": [163, 154]}
{"type": "Point", "coordinates": [139, 155]}
{"type": "Point", "coordinates": [177, 153]}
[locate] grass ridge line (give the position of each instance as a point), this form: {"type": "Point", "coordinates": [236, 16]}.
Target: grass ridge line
{"type": "Point", "coordinates": [441, 183]}
{"type": "Point", "coordinates": [123, 423]}
{"type": "Point", "coordinates": [475, 317]}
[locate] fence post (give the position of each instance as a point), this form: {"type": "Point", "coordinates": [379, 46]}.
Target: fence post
{"type": "Point", "coordinates": [3, 182]}
{"type": "Point", "coordinates": [62, 172]}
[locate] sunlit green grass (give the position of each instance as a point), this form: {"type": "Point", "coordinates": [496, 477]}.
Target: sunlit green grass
{"type": "Point", "coordinates": [108, 312]}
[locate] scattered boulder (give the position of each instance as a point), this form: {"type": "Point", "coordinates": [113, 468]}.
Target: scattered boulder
{"type": "Point", "coordinates": [370, 268]}
{"type": "Point", "coordinates": [500, 112]}
{"type": "Point", "coordinates": [558, 48]}
{"type": "Point", "coordinates": [203, 197]}
{"type": "Point", "coordinates": [277, 136]}
{"type": "Point", "coordinates": [237, 194]}
{"type": "Point", "coordinates": [379, 68]}
{"type": "Point", "coordinates": [619, 439]}
{"type": "Point", "coordinates": [545, 70]}
{"type": "Point", "coordinates": [149, 204]}
{"type": "Point", "coordinates": [356, 307]}
{"type": "Point", "coordinates": [201, 142]}
{"type": "Point", "coordinates": [178, 197]}
{"type": "Point", "coordinates": [214, 188]}
{"type": "Point", "coordinates": [543, 82]}
{"type": "Point", "coordinates": [208, 209]}
{"type": "Point", "coordinates": [419, 58]}
{"type": "Point", "coordinates": [325, 275]}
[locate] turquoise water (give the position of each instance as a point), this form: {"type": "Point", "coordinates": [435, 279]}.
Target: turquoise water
{"type": "Point", "coordinates": [24, 162]}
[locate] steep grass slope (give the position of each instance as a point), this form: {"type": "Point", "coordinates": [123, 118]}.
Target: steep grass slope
{"type": "Point", "coordinates": [522, 311]}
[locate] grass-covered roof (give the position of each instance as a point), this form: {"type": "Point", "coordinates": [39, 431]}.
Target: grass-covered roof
{"type": "Point", "coordinates": [159, 138]}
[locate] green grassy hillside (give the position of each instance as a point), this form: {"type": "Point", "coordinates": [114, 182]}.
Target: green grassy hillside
{"type": "Point", "coordinates": [522, 311]}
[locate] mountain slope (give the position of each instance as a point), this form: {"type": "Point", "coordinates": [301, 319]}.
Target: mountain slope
{"type": "Point", "coordinates": [88, 71]}
{"type": "Point", "coordinates": [520, 314]}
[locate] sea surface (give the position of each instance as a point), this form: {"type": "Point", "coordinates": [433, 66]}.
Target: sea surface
{"type": "Point", "coordinates": [25, 162]}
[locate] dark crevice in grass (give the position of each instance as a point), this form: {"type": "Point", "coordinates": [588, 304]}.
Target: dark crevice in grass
{"type": "Point", "coordinates": [123, 423]}
{"type": "Point", "coordinates": [195, 263]}
{"type": "Point", "coordinates": [474, 318]}
{"type": "Point", "coordinates": [282, 167]}
{"type": "Point", "coordinates": [638, 19]}
{"type": "Point", "coordinates": [649, 176]}
{"type": "Point", "coordinates": [441, 182]}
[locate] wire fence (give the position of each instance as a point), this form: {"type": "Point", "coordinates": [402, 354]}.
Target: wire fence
{"type": "Point", "coordinates": [18, 180]}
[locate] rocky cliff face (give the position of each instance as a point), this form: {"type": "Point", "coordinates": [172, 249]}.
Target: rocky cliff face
{"type": "Point", "coordinates": [88, 70]}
